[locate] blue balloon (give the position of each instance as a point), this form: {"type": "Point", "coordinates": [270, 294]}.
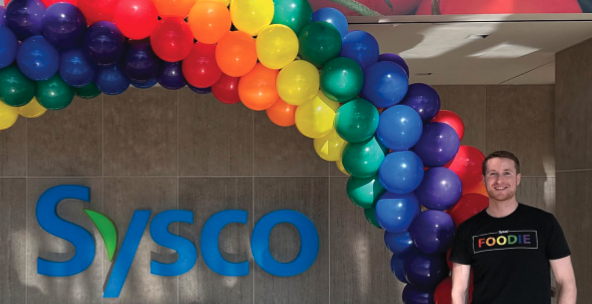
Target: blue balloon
{"type": "Point", "coordinates": [401, 172]}
{"type": "Point", "coordinates": [171, 75]}
{"type": "Point", "coordinates": [145, 85]}
{"type": "Point", "coordinates": [361, 47]}
{"type": "Point", "coordinates": [333, 16]}
{"type": "Point", "coordinates": [63, 25]}
{"type": "Point", "coordinates": [140, 62]}
{"type": "Point", "coordinates": [37, 58]}
{"type": "Point", "coordinates": [399, 128]}
{"type": "Point", "coordinates": [438, 144]}
{"type": "Point", "coordinates": [75, 69]}
{"type": "Point", "coordinates": [8, 47]}
{"type": "Point", "coordinates": [433, 231]}
{"type": "Point", "coordinates": [385, 84]}
{"type": "Point", "coordinates": [415, 295]}
{"type": "Point", "coordinates": [396, 59]}
{"type": "Point", "coordinates": [425, 271]}
{"type": "Point", "coordinates": [2, 15]}
{"type": "Point", "coordinates": [400, 244]}
{"type": "Point", "coordinates": [423, 99]}
{"type": "Point", "coordinates": [440, 189]}
{"type": "Point", "coordinates": [111, 80]}
{"type": "Point", "coordinates": [103, 43]}
{"type": "Point", "coordinates": [397, 267]}
{"type": "Point", "coordinates": [24, 17]}
{"type": "Point", "coordinates": [207, 90]}
{"type": "Point", "coordinates": [395, 212]}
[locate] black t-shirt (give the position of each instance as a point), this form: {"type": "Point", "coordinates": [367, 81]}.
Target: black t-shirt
{"type": "Point", "coordinates": [510, 255]}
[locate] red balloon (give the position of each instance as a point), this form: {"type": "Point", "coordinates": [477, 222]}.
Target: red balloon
{"type": "Point", "coordinates": [97, 10]}
{"type": "Point", "coordinates": [172, 39]}
{"type": "Point", "coordinates": [50, 2]}
{"type": "Point", "coordinates": [452, 119]}
{"type": "Point", "coordinates": [468, 205]}
{"type": "Point", "coordinates": [467, 164]}
{"type": "Point", "coordinates": [443, 292]}
{"type": "Point", "coordinates": [226, 89]}
{"type": "Point", "coordinates": [136, 19]}
{"type": "Point", "coordinates": [200, 68]}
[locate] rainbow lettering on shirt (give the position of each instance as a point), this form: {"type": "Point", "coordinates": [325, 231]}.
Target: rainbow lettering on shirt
{"type": "Point", "coordinates": [504, 240]}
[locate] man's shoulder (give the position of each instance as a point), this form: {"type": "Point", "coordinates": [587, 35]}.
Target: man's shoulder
{"type": "Point", "coordinates": [534, 211]}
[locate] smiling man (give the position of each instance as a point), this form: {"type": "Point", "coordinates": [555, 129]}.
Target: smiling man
{"type": "Point", "coordinates": [511, 248]}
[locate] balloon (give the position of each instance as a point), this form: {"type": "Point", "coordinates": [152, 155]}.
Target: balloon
{"type": "Point", "coordinates": [438, 144]}
{"type": "Point", "coordinates": [443, 292]}
{"type": "Point", "coordinates": [8, 116]}
{"type": "Point", "coordinates": [24, 18]}
{"type": "Point", "coordinates": [370, 215]}
{"type": "Point", "coordinates": [425, 271]}
{"type": "Point", "coordinates": [251, 16]}
{"type": "Point", "coordinates": [415, 295]}
{"type": "Point", "coordinates": [339, 165]}
{"type": "Point", "coordinates": [397, 267]}
{"type": "Point", "coordinates": [364, 192]}
{"type": "Point", "coordinates": [145, 85]}
{"type": "Point", "coordinates": [329, 147]}
{"type": "Point", "coordinates": [75, 69]}
{"type": "Point", "coordinates": [63, 25]}
{"type": "Point", "coordinates": [226, 89]}
{"type": "Point", "coordinates": [356, 121]}
{"type": "Point", "coordinates": [467, 164]}
{"type": "Point", "coordinates": [395, 212]}
{"type": "Point", "coordinates": [95, 11]}
{"type": "Point", "coordinates": [315, 118]}
{"type": "Point", "coordinates": [170, 75]}
{"type": "Point", "coordinates": [37, 58]}
{"type": "Point", "coordinates": [363, 159]}
{"type": "Point", "coordinates": [433, 231]}
{"type": "Point", "coordinates": [200, 68]}
{"type": "Point", "coordinates": [16, 90]}
{"type": "Point", "coordinates": [197, 90]}
{"type": "Point", "coordinates": [401, 172]}
{"type": "Point", "coordinates": [257, 89]}
{"type": "Point", "coordinates": [2, 16]}
{"type": "Point", "coordinates": [400, 244]}
{"type": "Point", "coordinates": [111, 80]}
{"type": "Point", "coordinates": [277, 46]}
{"type": "Point", "coordinates": [319, 42]}
{"type": "Point", "coordinates": [54, 93]}
{"type": "Point", "coordinates": [88, 92]}
{"type": "Point", "coordinates": [140, 63]}
{"type": "Point", "coordinates": [298, 82]}
{"type": "Point", "coordinates": [468, 206]}
{"type": "Point", "coordinates": [294, 14]}
{"type": "Point", "coordinates": [452, 119]}
{"type": "Point", "coordinates": [32, 110]}
{"type": "Point", "coordinates": [333, 17]}
{"type": "Point", "coordinates": [440, 189]}
{"type": "Point", "coordinates": [172, 39]}
{"type": "Point", "coordinates": [48, 3]}
{"type": "Point", "coordinates": [361, 47]}
{"type": "Point", "coordinates": [424, 99]}
{"type": "Point", "coordinates": [396, 59]}
{"type": "Point", "coordinates": [342, 79]}
{"type": "Point", "coordinates": [399, 128]}
{"type": "Point", "coordinates": [236, 54]}
{"type": "Point", "coordinates": [103, 43]}
{"type": "Point", "coordinates": [385, 84]}
{"type": "Point", "coordinates": [209, 21]}
{"type": "Point", "coordinates": [282, 114]}
{"type": "Point", "coordinates": [8, 47]}
{"type": "Point", "coordinates": [136, 19]}
{"type": "Point", "coordinates": [173, 8]}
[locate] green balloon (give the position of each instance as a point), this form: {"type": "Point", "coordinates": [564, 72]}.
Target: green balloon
{"type": "Point", "coordinates": [364, 192]}
{"type": "Point", "coordinates": [357, 120]}
{"type": "Point", "coordinates": [16, 89]}
{"type": "Point", "coordinates": [54, 93]}
{"type": "Point", "coordinates": [89, 91]}
{"type": "Point", "coordinates": [363, 159]}
{"type": "Point", "coordinates": [342, 79]}
{"type": "Point", "coordinates": [294, 14]}
{"type": "Point", "coordinates": [319, 42]}
{"type": "Point", "coordinates": [370, 215]}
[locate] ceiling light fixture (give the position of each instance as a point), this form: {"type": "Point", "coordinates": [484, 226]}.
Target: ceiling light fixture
{"type": "Point", "coordinates": [475, 37]}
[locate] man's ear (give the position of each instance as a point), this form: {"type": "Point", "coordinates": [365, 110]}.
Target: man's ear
{"type": "Point", "coordinates": [518, 179]}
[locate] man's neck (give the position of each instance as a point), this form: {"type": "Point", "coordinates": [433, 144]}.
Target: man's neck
{"type": "Point", "coordinates": [502, 208]}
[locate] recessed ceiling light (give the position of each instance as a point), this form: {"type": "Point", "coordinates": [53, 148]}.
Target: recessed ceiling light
{"type": "Point", "coordinates": [474, 37]}
{"type": "Point", "coordinates": [423, 74]}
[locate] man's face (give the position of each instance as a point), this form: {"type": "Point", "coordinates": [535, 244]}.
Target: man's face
{"type": "Point", "coordinates": [501, 179]}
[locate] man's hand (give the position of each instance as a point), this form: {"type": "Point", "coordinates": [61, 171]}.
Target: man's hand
{"type": "Point", "coordinates": [460, 283]}
{"type": "Point", "coordinates": [566, 280]}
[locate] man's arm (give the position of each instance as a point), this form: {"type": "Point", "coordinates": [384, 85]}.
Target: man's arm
{"type": "Point", "coordinates": [460, 283]}
{"type": "Point", "coordinates": [566, 280]}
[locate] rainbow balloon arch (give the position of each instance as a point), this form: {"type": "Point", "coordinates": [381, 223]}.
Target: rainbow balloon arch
{"type": "Point", "coordinates": [408, 171]}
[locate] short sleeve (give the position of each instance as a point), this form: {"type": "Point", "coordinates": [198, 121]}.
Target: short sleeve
{"type": "Point", "coordinates": [557, 246]}
{"type": "Point", "coordinates": [460, 249]}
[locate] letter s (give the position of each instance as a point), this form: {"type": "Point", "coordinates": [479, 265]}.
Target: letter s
{"type": "Point", "coordinates": [159, 230]}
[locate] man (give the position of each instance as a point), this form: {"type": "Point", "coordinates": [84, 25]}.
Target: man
{"type": "Point", "coordinates": [510, 247]}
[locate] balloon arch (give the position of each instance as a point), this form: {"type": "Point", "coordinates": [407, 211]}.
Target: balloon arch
{"type": "Point", "coordinates": [407, 168]}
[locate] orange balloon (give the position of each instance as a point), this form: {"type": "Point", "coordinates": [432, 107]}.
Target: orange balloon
{"type": "Point", "coordinates": [173, 8]}
{"type": "Point", "coordinates": [281, 113]}
{"type": "Point", "coordinates": [257, 89]}
{"type": "Point", "coordinates": [209, 21]}
{"type": "Point", "coordinates": [478, 188]}
{"type": "Point", "coordinates": [236, 54]}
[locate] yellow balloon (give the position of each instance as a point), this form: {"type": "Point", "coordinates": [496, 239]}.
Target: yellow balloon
{"type": "Point", "coordinates": [315, 118]}
{"type": "Point", "coordinates": [330, 147]}
{"type": "Point", "coordinates": [341, 168]}
{"type": "Point", "coordinates": [277, 46]}
{"type": "Point", "coordinates": [251, 16]}
{"type": "Point", "coordinates": [8, 116]}
{"type": "Point", "coordinates": [32, 110]}
{"type": "Point", "coordinates": [298, 82]}
{"type": "Point", "coordinates": [225, 2]}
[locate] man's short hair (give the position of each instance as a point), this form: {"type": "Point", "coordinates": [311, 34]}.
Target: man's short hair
{"type": "Point", "coordinates": [501, 154]}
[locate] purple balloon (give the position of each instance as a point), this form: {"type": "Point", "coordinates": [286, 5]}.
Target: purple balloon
{"type": "Point", "coordinates": [171, 75]}
{"type": "Point", "coordinates": [145, 85]}
{"type": "Point", "coordinates": [103, 43]}
{"type": "Point", "coordinates": [2, 15]}
{"type": "Point", "coordinates": [432, 231]}
{"type": "Point", "coordinates": [140, 62]}
{"type": "Point", "coordinates": [425, 271]}
{"type": "Point", "coordinates": [440, 189]}
{"type": "Point", "coordinates": [414, 295]}
{"type": "Point", "coordinates": [438, 144]}
{"type": "Point", "coordinates": [395, 212]}
{"type": "Point", "coordinates": [423, 99]}
{"type": "Point", "coordinates": [396, 59]}
{"type": "Point", "coordinates": [63, 25]}
{"type": "Point", "coordinates": [24, 17]}
{"type": "Point", "coordinates": [200, 90]}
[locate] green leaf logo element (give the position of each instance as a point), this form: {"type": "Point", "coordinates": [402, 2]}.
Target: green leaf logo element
{"type": "Point", "coordinates": [107, 230]}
